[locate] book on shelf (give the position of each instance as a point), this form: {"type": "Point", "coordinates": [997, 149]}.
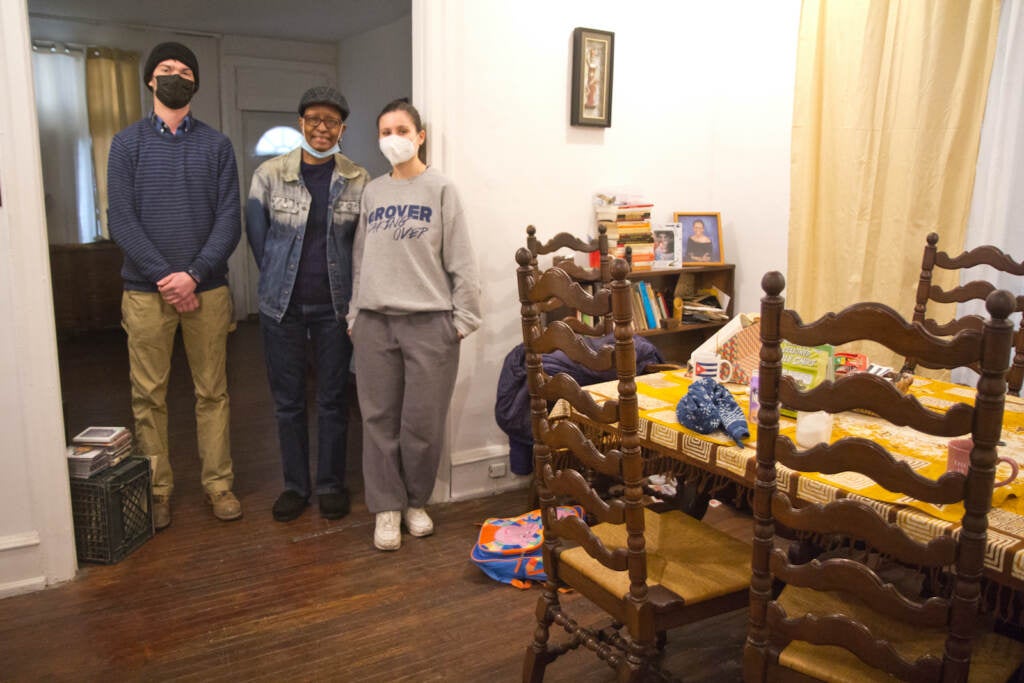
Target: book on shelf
{"type": "Point", "coordinates": [639, 318]}
{"type": "Point", "coordinates": [633, 212]}
{"type": "Point", "coordinates": [629, 228]}
{"type": "Point", "coordinates": [649, 315]}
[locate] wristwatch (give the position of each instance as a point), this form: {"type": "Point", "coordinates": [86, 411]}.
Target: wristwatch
{"type": "Point", "coordinates": [194, 275]}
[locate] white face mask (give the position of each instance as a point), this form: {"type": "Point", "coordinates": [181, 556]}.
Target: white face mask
{"type": "Point", "coordinates": [317, 153]}
{"type": "Point", "coordinates": [397, 149]}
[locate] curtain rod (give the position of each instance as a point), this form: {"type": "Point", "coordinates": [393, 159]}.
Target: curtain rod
{"type": "Point", "coordinates": [58, 45]}
{"type": "Point", "coordinates": [137, 27]}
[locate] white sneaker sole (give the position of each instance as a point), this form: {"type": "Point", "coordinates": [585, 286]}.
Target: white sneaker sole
{"type": "Point", "coordinates": [383, 545]}
{"type": "Point", "coordinates": [419, 533]}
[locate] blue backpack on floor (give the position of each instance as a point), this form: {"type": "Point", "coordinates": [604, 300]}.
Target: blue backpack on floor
{"type": "Point", "coordinates": [510, 548]}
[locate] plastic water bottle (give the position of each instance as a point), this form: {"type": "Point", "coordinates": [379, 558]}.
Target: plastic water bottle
{"type": "Point", "coordinates": [755, 404]}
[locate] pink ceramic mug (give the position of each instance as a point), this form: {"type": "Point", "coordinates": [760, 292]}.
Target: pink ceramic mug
{"type": "Point", "coordinates": [960, 457]}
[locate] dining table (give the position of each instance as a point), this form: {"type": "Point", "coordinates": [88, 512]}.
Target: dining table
{"type": "Point", "coordinates": [719, 463]}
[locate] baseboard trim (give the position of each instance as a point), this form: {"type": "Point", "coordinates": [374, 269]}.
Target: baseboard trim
{"type": "Point", "coordinates": [25, 539]}
{"type": "Point", "coordinates": [11, 588]}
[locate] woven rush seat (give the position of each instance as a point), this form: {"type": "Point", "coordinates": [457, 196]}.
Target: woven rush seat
{"type": "Point", "coordinates": [692, 560]}
{"type": "Point", "coordinates": [993, 657]}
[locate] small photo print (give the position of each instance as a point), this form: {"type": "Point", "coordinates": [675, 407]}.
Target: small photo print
{"type": "Point", "coordinates": [665, 246]}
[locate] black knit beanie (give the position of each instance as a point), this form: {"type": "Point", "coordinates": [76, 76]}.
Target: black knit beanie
{"type": "Point", "coordinates": [165, 51]}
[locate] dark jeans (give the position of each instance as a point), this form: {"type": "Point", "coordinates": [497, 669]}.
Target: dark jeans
{"type": "Point", "coordinates": [284, 344]}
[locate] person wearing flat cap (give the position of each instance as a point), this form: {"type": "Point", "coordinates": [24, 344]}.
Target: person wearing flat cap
{"type": "Point", "coordinates": [301, 216]}
{"type": "Point", "coordinates": [174, 211]}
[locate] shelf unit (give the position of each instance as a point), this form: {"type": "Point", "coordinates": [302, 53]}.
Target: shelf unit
{"type": "Point", "coordinates": [678, 343]}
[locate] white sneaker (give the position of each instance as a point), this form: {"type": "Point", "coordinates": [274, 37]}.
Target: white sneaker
{"type": "Point", "coordinates": [387, 535]}
{"type": "Point", "coordinates": [418, 522]}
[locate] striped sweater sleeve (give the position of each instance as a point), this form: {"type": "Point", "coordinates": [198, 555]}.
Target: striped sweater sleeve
{"type": "Point", "coordinates": [122, 216]}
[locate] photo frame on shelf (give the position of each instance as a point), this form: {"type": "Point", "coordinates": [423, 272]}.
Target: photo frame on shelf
{"type": "Point", "coordinates": [666, 246]}
{"type": "Point", "coordinates": [701, 241]}
{"type": "Point", "coordinates": [592, 63]}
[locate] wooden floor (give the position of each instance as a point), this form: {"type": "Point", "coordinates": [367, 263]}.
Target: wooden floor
{"type": "Point", "coordinates": [310, 600]}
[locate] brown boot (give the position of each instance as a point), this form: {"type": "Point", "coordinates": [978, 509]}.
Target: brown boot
{"type": "Point", "coordinates": [161, 512]}
{"type": "Point", "coordinates": [225, 506]}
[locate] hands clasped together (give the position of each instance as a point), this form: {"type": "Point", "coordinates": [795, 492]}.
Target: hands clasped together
{"type": "Point", "coordinates": [179, 290]}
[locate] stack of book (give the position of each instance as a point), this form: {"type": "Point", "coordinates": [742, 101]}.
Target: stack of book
{"type": "Point", "coordinates": [113, 444]}
{"type": "Point", "coordinates": [633, 230]}
{"type": "Point", "coordinates": [650, 307]}
{"type": "Point", "coordinates": [85, 461]}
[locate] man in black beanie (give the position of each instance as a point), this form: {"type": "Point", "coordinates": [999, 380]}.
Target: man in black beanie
{"type": "Point", "coordinates": [174, 211]}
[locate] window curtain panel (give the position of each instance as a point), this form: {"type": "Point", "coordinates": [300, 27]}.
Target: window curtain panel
{"type": "Point", "coordinates": [888, 108]}
{"type": "Point", "coordinates": [114, 101]}
{"type": "Point", "coordinates": [998, 204]}
{"type": "Point", "coordinates": [64, 144]}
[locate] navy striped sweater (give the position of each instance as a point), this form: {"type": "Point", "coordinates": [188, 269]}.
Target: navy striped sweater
{"type": "Point", "coordinates": [173, 204]}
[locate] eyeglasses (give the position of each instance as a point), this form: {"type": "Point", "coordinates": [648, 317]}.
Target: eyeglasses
{"type": "Point", "coordinates": [314, 121]}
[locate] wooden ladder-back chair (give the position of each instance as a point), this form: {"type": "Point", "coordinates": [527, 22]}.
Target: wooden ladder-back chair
{"type": "Point", "coordinates": [590, 279]}
{"type": "Point", "coordinates": [986, 255]}
{"type": "Point", "coordinates": [837, 619]}
{"type": "Point", "coordinates": [650, 572]}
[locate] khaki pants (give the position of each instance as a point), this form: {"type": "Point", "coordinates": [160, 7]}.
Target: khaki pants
{"type": "Point", "coordinates": [151, 324]}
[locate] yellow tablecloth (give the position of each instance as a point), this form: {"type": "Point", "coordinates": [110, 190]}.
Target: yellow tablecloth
{"type": "Point", "coordinates": [660, 431]}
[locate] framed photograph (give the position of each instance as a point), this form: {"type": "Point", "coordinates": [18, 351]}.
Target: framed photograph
{"type": "Point", "coordinates": [701, 238]}
{"type": "Point", "coordinates": [666, 253]}
{"type": "Point", "coordinates": [592, 53]}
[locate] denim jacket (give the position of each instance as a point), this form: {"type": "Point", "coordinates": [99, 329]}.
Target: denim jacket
{"type": "Point", "coordinates": [275, 218]}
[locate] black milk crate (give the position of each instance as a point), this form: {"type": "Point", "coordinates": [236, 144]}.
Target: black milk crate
{"type": "Point", "coordinates": [113, 511]}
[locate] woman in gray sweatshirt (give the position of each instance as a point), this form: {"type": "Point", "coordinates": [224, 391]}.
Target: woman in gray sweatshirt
{"type": "Point", "coordinates": [416, 295]}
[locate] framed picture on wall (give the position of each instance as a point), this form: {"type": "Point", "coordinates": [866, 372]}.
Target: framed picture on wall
{"type": "Point", "coordinates": [592, 53]}
{"type": "Point", "coordinates": [701, 238]}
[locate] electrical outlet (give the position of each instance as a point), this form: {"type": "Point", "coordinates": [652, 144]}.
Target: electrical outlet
{"type": "Point", "coordinates": [496, 470]}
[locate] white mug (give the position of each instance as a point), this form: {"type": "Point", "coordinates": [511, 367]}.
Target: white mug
{"type": "Point", "coordinates": [707, 364]}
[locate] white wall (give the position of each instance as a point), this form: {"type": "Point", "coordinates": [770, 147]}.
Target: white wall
{"type": "Point", "coordinates": [701, 117]}
{"type": "Point", "coordinates": [373, 68]}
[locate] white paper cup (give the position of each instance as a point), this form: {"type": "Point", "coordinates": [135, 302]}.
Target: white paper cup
{"type": "Point", "coordinates": [813, 428]}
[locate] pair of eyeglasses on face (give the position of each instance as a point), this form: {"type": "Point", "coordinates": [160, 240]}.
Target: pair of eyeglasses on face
{"type": "Point", "coordinates": [315, 121]}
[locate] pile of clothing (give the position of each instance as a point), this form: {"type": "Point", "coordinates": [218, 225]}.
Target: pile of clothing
{"type": "Point", "coordinates": [512, 407]}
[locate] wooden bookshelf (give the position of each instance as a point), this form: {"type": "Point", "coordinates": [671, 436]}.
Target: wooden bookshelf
{"type": "Point", "coordinates": [677, 343]}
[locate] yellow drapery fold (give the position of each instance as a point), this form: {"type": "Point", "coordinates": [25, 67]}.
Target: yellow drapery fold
{"type": "Point", "coordinates": [113, 98]}
{"type": "Point", "coordinates": [888, 106]}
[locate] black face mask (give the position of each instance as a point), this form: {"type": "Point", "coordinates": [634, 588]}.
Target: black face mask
{"type": "Point", "coordinates": [174, 91]}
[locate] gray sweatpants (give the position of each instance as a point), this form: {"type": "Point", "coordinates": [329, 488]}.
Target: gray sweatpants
{"type": "Point", "coordinates": [405, 374]}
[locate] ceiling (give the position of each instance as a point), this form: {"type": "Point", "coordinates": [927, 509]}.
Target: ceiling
{"type": "Point", "coordinates": [322, 21]}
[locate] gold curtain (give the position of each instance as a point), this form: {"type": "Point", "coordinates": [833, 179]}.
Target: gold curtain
{"type": "Point", "coordinates": [887, 115]}
{"type": "Point", "coordinates": [114, 99]}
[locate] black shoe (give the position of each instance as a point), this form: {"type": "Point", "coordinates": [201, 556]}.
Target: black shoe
{"type": "Point", "coordinates": [288, 506]}
{"type": "Point", "coordinates": [334, 505]}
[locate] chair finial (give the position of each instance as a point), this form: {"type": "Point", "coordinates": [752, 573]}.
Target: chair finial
{"type": "Point", "coordinates": [933, 239]}
{"type": "Point", "coordinates": [523, 256]}
{"type": "Point", "coordinates": [1000, 304]}
{"type": "Point", "coordinates": [620, 269]}
{"type": "Point", "coordinates": [531, 231]}
{"type": "Point", "coordinates": [773, 283]}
